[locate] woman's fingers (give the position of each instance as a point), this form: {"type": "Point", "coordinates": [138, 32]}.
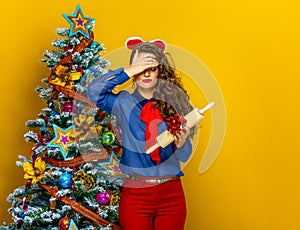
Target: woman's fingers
{"type": "Point", "coordinates": [135, 56]}
{"type": "Point", "coordinates": [141, 62]}
{"type": "Point", "coordinates": [144, 59]}
{"type": "Point", "coordinates": [181, 137]}
{"type": "Point", "coordinates": [186, 131]}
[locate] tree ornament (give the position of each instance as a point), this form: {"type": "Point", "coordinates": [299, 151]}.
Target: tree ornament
{"type": "Point", "coordinates": [79, 69]}
{"type": "Point", "coordinates": [43, 130]}
{"type": "Point", "coordinates": [62, 139]}
{"type": "Point", "coordinates": [115, 197]}
{"type": "Point", "coordinates": [53, 113]}
{"type": "Point", "coordinates": [87, 180]}
{"type": "Point", "coordinates": [107, 138]}
{"type": "Point", "coordinates": [28, 185]}
{"type": "Point", "coordinates": [20, 223]}
{"type": "Point", "coordinates": [67, 106]}
{"type": "Point", "coordinates": [24, 205]}
{"type": "Point", "coordinates": [72, 226]}
{"type": "Point", "coordinates": [52, 204]}
{"type": "Point", "coordinates": [66, 48]}
{"type": "Point", "coordinates": [95, 46]}
{"type": "Point", "coordinates": [21, 215]}
{"type": "Point", "coordinates": [78, 22]}
{"type": "Point", "coordinates": [35, 170]}
{"type": "Point", "coordinates": [85, 127]}
{"type": "Point", "coordinates": [99, 129]}
{"type": "Point", "coordinates": [103, 198]}
{"type": "Point", "coordinates": [64, 223]}
{"type": "Point", "coordinates": [65, 78]}
{"type": "Point", "coordinates": [65, 180]}
{"type": "Point", "coordinates": [113, 167]}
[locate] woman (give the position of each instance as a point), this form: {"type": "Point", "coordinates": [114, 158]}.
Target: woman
{"type": "Point", "coordinates": [152, 196]}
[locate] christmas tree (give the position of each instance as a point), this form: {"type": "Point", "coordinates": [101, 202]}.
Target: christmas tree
{"type": "Point", "coordinates": [73, 179]}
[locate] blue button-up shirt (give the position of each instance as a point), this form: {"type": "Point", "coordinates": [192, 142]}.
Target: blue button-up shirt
{"type": "Point", "coordinates": [127, 108]}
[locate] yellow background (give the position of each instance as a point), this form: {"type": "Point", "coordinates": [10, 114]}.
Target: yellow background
{"type": "Point", "coordinates": [251, 47]}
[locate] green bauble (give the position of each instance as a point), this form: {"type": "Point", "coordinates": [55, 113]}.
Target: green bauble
{"type": "Point", "coordinates": [107, 138]}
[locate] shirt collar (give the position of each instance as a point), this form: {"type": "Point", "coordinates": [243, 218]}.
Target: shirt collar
{"type": "Point", "coordinates": [141, 100]}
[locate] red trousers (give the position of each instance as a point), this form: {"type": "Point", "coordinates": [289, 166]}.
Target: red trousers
{"type": "Point", "coordinates": [157, 207]}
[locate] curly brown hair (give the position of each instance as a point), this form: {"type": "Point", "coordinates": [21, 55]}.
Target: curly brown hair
{"type": "Point", "coordinates": [169, 93]}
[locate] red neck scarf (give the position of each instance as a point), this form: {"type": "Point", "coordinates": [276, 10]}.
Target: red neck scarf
{"type": "Point", "coordinates": [151, 116]}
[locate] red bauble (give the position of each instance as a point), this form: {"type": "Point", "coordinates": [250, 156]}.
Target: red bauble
{"type": "Point", "coordinates": [66, 48]}
{"type": "Point", "coordinates": [64, 223]}
{"type": "Point", "coordinates": [67, 107]}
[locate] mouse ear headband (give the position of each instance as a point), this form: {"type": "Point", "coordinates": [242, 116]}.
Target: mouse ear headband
{"type": "Point", "coordinates": [133, 42]}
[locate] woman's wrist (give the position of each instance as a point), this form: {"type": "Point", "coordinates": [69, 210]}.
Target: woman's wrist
{"type": "Point", "coordinates": [128, 71]}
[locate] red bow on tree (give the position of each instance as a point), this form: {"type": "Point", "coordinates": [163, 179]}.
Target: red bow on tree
{"type": "Point", "coordinates": [133, 42]}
